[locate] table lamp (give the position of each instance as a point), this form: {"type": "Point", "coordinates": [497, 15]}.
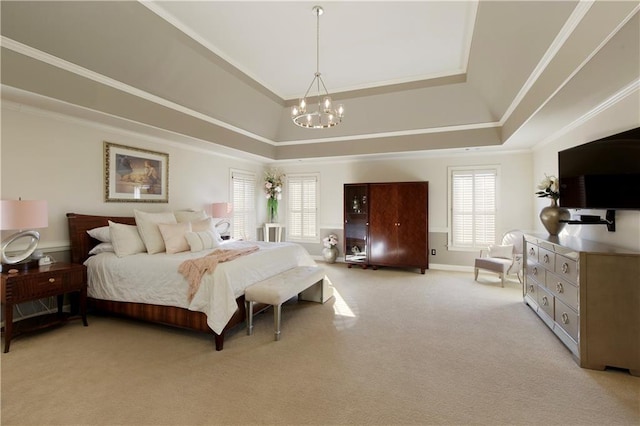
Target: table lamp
{"type": "Point", "coordinates": [222, 211]}
{"type": "Point", "coordinates": [22, 216]}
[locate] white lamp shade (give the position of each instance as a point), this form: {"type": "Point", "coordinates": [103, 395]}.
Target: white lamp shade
{"type": "Point", "coordinates": [221, 209]}
{"type": "Point", "coordinates": [19, 214]}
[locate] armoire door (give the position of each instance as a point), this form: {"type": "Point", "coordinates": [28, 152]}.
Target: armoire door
{"type": "Point", "coordinates": [383, 213]}
{"type": "Point", "coordinates": [412, 199]}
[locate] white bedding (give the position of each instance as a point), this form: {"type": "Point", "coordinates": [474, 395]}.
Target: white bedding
{"type": "Point", "coordinates": [154, 278]}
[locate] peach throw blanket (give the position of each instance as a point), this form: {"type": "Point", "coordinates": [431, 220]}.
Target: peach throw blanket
{"type": "Point", "coordinates": [194, 269]}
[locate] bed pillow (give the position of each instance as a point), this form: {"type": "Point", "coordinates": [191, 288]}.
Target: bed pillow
{"type": "Point", "coordinates": [101, 234]}
{"type": "Point", "coordinates": [202, 240]}
{"type": "Point", "coordinates": [102, 248]}
{"type": "Point", "coordinates": [208, 224]}
{"type": "Point", "coordinates": [148, 228]}
{"type": "Point", "coordinates": [189, 215]}
{"type": "Point", "coordinates": [125, 239]}
{"type": "Point", "coordinates": [505, 251]}
{"type": "Point", "coordinates": [173, 235]}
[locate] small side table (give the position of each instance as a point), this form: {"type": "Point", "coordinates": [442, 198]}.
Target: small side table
{"type": "Point", "coordinates": [56, 279]}
{"type": "Point", "coordinates": [277, 227]}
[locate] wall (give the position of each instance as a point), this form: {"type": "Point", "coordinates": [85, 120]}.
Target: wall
{"type": "Point", "coordinates": [623, 115]}
{"type": "Point", "coordinates": [514, 200]}
{"type": "Point", "coordinates": [60, 159]}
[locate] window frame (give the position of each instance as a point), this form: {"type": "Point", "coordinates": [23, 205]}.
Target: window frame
{"type": "Point", "coordinates": [249, 215]}
{"type": "Point", "coordinates": [291, 213]}
{"type": "Point", "coordinates": [475, 244]}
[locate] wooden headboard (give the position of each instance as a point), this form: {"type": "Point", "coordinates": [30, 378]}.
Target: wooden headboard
{"type": "Point", "coordinates": [81, 242]}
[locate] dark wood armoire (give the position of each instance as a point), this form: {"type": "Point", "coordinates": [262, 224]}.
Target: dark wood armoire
{"type": "Point", "coordinates": [386, 224]}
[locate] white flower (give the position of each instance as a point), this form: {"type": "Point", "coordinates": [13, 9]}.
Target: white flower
{"type": "Point", "coordinates": [548, 187]}
{"type": "Point", "coordinates": [330, 241]}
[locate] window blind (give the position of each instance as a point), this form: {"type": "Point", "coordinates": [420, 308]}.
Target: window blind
{"type": "Point", "coordinates": [244, 210]}
{"type": "Point", "coordinates": [473, 207]}
{"type": "Point", "coordinates": [302, 191]}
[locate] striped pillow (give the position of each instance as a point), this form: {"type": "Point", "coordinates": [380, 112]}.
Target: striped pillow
{"type": "Point", "coordinates": [202, 240]}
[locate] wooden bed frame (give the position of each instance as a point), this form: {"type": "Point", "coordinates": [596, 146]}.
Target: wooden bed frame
{"type": "Point", "coordinates": [81, 243]}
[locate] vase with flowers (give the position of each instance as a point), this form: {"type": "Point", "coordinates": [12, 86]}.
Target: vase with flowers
{"type": "Point", "coordinates": [273, 181]}
{"type": "Point", "coordinates": [330, 250]}
{"type": "Point", "coordinates": [552, 216]}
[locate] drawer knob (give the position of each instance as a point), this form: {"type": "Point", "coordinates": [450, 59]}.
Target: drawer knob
{"type": "Point", "coordinates": [52, 280]}
{"type": "Point", "coordinates": [546, 258]}
{"type": "Point", "coordinates": [532, 252]}
{"type": "Point", "coordinates": [545, 301]}
{"type": "Point", "coordinates": [535, 271]}
{"type": "Point", "coordinates": [565, 267]}
{"type": "Point", "coordinates": [530, 288]}
{"type": "Point", "coordinates": [565, 318]}
{"type": "Point", "coordinates": [559, 288]}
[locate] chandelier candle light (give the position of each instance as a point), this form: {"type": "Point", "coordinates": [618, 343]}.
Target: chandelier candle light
{"type": "Point", "coordinates": [325, 116]}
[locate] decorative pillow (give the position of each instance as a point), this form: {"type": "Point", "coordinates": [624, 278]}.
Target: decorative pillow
{"type": "Point", "coordinates": [125, 239]}
{"type": "Point", "coordinates": [189, 215]}
{"type": "Point", "coordinates": [505, 251]}
{"type": "Point", "coordinates": [203, 225]}
{"type": "Point", "coordinates": [173, 236]}
{"type": "Point", "coordinates": [202, 240]}
{"type": "Point", "coordinates": [102, 248]}
{"type": "Point", "coordinates": [101, 234]}
{"type": "Point", "coordinates": [148, 228]}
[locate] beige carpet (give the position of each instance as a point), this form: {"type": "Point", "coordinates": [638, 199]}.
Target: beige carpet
{"type": "Point", "coordinates": [395, 347]}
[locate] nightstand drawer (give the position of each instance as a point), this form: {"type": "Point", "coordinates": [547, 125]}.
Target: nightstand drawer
{"type": "Point", "coordinates": [44, 285]}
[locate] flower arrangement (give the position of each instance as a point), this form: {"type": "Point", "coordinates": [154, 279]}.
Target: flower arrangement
{"type": "Point", "coordinates": [549, 188]}
{"type": "Point", "coordinates": [330, 241]}
{"type": "Point", "coordinates": [273, 181]}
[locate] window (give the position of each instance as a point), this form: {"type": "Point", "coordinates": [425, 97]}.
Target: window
{"type": "Point", "coordinates": [243, 194]}
{"type": "Point", "coordinates": [472, 207]}
{"type": "Point", "coordinates": [302, 204]}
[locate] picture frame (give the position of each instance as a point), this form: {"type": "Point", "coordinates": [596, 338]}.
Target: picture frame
{"type": "Point", "coordinates": [135, 175]}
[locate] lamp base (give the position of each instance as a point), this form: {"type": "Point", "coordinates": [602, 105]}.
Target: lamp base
{"type": "Point", "coordinates": [24, 265]}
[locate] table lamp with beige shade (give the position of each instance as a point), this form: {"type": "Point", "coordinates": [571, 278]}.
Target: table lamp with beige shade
{"type": "Point", "coordinates": [23, 216]}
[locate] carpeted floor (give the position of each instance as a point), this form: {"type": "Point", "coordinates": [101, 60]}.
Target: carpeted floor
{"type": "Point", "coordinates": [393, 347]}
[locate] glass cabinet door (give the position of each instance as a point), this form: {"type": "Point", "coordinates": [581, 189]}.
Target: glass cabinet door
{"type": "Point", "coordinates": [356, 223]}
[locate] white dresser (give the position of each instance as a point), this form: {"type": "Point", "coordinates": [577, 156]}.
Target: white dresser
{"type": "Point", "coordinates": [588, 294]}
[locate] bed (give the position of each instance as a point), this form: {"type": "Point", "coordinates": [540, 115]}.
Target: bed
{"type": "Point", "coordinates": [218, 304]}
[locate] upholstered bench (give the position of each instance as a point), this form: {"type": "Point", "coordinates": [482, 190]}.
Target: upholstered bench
{"type": "Point", "coordinates": [282, 287]}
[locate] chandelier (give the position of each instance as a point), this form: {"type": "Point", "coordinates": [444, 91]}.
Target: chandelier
{"type": "Point", "coordinates": [325, 115]}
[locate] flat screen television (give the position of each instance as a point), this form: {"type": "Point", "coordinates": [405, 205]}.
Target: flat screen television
{"type": "Point", "coordinates": [603, 174]}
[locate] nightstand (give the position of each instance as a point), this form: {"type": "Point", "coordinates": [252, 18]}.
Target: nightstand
{"type": "Point", "coordinates": [56, 279]}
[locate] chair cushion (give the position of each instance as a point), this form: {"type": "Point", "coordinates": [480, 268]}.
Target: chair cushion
{"type": "Point", "coordinates": [494, 264]}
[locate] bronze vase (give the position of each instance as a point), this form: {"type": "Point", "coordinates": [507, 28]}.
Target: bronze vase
{"type": "Point", "coordinates": [551, 217]}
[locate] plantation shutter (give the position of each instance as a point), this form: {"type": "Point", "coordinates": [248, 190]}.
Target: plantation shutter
{"type": "Point", "coordinates": [302, 203]}
{"type": "Point", "coordinates": [473, 207]}
{"type": "Point", "coordinates": [244, 209]}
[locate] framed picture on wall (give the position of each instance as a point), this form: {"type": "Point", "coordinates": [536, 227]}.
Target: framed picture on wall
{"type": "Point", "coordinates": [135, 175]}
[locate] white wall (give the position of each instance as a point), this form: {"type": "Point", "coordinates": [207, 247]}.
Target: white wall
{"type": "Point", "coordinates": [56, 158]}
{"type": "Point", "coordinates": [624, 115]}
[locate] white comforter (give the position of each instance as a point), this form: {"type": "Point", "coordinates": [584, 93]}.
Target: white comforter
{"type": "Point", "coordinates": [154, 278]}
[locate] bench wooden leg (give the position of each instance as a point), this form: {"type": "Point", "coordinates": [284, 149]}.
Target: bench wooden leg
{"type": "Point", "coordinates": [276, 320]}
{"type": "Point", "coordinates": [249, 309]}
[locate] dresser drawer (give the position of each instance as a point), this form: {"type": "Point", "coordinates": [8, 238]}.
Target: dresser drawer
{"type": "Point", "coordinates": [532, 251]}
{"type": "Point", "coordinates": [568, 319]}
{"type": "Point", "coordinates": [567, 268]}
{"type": "Point", "coordinates": [545, 301]}
{"type": "Point", "coordinates": [563, 290]}
{"type": "Point", "coordinates": [535, 272]}
{"type": "Point", "coordinates": [547, 259]}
